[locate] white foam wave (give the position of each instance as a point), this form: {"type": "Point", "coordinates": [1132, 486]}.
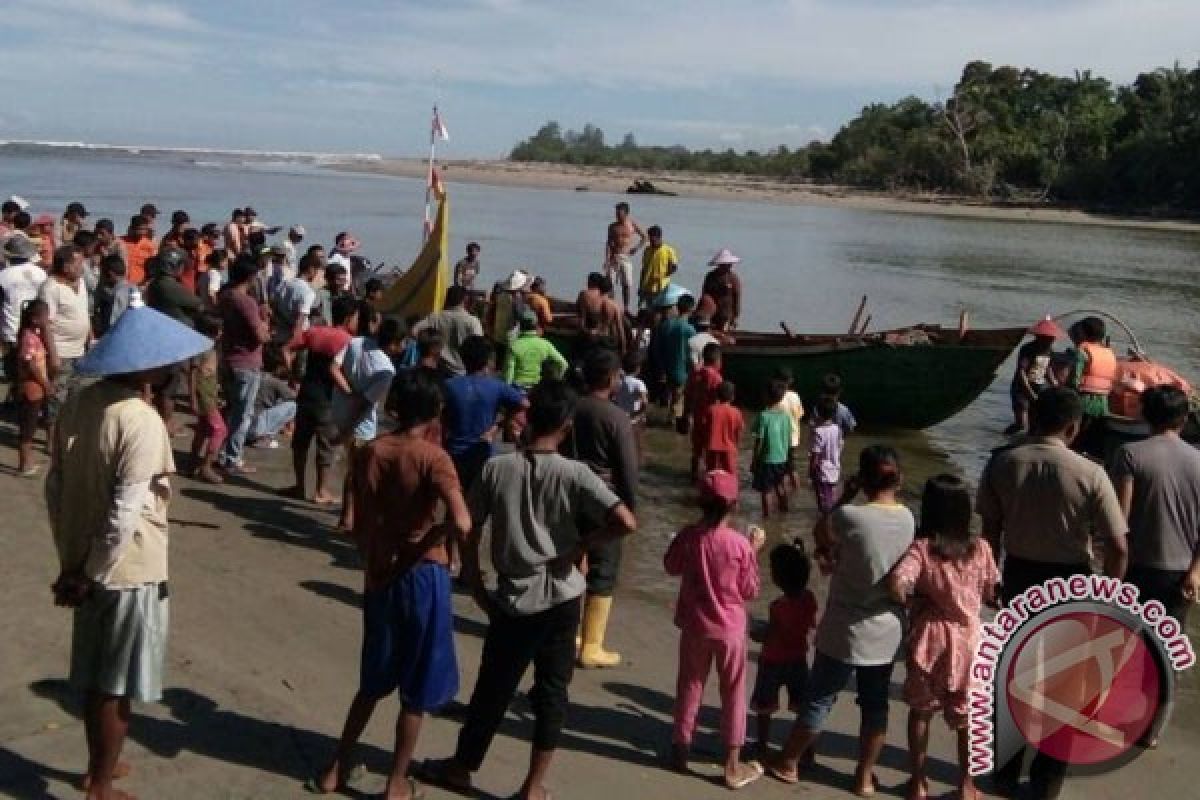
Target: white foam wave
{"type": "Point", "coordinates": [289, 156]}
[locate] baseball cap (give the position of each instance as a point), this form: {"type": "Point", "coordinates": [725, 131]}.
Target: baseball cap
{"type": "Point", "coordinates": [298, 230]}
{"type": "Point", "coordinates": [720, 484]}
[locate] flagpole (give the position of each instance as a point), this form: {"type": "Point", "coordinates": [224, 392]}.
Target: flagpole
{"type": "Point", "coordinates": [429, 176]}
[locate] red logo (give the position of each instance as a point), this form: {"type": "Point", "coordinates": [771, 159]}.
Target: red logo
{"type": "Point", "coordinates": [1083, 688]}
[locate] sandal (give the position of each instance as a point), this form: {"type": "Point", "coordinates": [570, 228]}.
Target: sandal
{"type": "Point", "coordinates": [791, 779]}
{"type": "Point", "coordinates": [754, 772]}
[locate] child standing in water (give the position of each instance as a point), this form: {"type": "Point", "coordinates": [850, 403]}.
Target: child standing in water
{"type": "Point", "coordinates": [1032, 373]}
{"type": "Point", "coordinates": [772, 448]}
{"type": "Point", "coordinates": [784, 658]}
{"type": "Point", "coordinates": [949, 574]}
{"type": "Point", "coordinates": [719, 571]}
{"type": "Point", "coordinates": [825, 455]}
{"type": "Point", "coordinates": [725, 426]}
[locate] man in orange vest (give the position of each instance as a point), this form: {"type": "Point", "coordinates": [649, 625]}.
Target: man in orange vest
{"type": "Point", "coordinates": [139, 246]}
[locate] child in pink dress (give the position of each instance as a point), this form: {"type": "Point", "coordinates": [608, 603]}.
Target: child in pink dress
{"type": "Point", "coordinates": [719, 571]}
{"type": "Point", "coordinates": [949, 574]}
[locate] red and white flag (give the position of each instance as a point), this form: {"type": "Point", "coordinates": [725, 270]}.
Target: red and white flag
{"type": "Point", "coordinates": [439, 128]}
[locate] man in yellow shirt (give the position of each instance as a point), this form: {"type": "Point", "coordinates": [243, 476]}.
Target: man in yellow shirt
{"type": "Point", "coordinates": [659, 263]}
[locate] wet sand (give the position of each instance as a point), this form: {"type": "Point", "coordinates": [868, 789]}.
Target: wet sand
{"type": "Point", "coordinates": [567, 177]}
{"type": "Point", "coordinates": [263, 661]}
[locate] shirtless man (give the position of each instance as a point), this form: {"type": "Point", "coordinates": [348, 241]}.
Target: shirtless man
{"type": "Point", "coordinates": [599, 315]}
{"type": "Point", "coordinates": [618, 252]}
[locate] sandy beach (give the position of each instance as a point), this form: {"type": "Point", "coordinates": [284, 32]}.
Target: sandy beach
{"type": "Point", "coordinates": [566, 177]}
{"type": "Point", "coordinates": [263, 660]}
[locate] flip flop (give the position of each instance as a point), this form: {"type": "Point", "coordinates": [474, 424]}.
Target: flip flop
{"type": "Point", "coordinates": [869, 791]}
{"type": "Point", "coordinates": [312, 786]}
{"type": "Point", "coordinates": [756, 772]}
{"type": "Point", "coordinates": [415, 792]}
{"type": "Point", "coordinates": [782, 777]}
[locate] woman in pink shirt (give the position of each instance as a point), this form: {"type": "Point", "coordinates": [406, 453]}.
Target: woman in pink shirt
{"type": "Point", "coordinates": [719, 571]}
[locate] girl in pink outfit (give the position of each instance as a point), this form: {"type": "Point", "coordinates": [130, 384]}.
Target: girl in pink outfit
{"type": "Point", "coordinates": [949, 574]}
{"type": "Point", "coordinates": [719, 571]}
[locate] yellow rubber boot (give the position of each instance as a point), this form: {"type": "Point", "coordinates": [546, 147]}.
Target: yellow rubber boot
{"type": "Point", "coordinates": [592, 654]}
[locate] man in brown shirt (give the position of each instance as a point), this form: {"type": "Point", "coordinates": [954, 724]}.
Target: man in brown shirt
{"type": "Point", "coordinates": [1042, 504]}
{"type": "Point", "coordinates": [401, 481]}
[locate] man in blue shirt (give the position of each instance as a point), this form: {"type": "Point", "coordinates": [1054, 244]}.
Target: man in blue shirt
{"type": "Point", "coordinates": [473, 401]}
{"type": "Point", "coordinates": [669, 349]}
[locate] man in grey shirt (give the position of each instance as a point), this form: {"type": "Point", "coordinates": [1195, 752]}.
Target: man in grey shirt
{"type": "Point", "coordinates": [603, 439]}
{"type": "Point", "coordinates": [532, 498]}
{"type": "Point", "coordinates": [1158, 486]}
{"type": "Point", "coordinates": [455, 324]}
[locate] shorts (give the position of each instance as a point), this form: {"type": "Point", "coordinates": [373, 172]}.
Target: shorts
{"type": "Point", "coordinates": [678, 403]}
{"type": "Point", "coordinates": [827, 496]}
{"type": "Point", "coordinates": [827, 679]}
{"type": "Point", "coordinates": [922, 693]}
{"type": "Point", "coordinates": [318, 425]}
{"type": "Point", "coordinates": [63, 384]}
{"type": "Point", "coordinates": [119, 642]}
{"type": "Point", "coordinates": [773, 677]}
{"type": "Point", "coordinates": [29, 416]}
{"type": "Point", "coordinates": [408, 639]}
{"type": "Point", "coordinates": [621, 272]}
{"type": "Point", "coordinates": [768, 477]}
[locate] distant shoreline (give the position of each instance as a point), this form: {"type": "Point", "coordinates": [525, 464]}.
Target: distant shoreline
{"type": "Point", "coordinates": [614, 180]}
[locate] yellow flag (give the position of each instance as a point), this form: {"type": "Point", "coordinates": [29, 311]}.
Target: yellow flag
{"type": "Point", "coordinates": [422, 290]}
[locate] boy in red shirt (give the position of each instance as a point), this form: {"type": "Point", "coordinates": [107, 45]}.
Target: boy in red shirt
{"type": "Point", "coordinates": [701, 393]}
{"type": "Point", "coordinates": [725, 426]}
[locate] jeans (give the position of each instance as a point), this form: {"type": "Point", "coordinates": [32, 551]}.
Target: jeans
{"type": "Point", "coordinates": [827, 679]}
{"type": "Point", "coordinates": [548, 640]}
{"type": "Point", "coordinates": [242, 391]}
{"type": "Point", "coordinates": [604, 562]}
{"type": "Point", "coordinates": [270, 421]}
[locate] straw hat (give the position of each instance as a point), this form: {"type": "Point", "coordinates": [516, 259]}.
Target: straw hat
{"type": "Point", "coordinates": [1047, 327]}
{"type": "Point", "coordinates": [142, 339]}
{"type": "Point", "coordinates": [724, 256]}
{"type": "Point", "coordinates": [518, 280]}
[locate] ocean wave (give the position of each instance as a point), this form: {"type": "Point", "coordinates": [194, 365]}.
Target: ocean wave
{"type": "Point", "coordinates": [256, 156]}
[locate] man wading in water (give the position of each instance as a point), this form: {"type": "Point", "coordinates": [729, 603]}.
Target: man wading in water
{"type": "Point", "coordinates": [618, 253]}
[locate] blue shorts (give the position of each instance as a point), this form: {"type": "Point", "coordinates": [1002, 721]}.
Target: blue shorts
{"type": "Point", "coordinates": [408, 640]}
{"type": "Point", "coordinates": [773, 677]}
{"type": "Point", "coordinates": [827, 679]}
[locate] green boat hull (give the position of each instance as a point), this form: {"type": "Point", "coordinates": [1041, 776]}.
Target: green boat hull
{"type": "Point", "coordinates": [889, 380]}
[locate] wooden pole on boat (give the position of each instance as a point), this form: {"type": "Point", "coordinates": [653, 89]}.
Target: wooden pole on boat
{"type": "Point", "coordinates": [866, 324]}
{"type": "Point", "coordinates": [862, 306]}
{"type": "Point", "coordinates": [427, 225]}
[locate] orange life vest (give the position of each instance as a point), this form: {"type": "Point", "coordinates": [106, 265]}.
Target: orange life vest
{"type": "Point", "coordinates": [1100, 373]}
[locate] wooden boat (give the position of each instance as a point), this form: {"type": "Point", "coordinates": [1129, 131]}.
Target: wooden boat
{"type": "Point", "coordinates": [906, 378]}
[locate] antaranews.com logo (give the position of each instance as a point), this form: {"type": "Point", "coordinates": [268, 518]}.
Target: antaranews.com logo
{"type": "Point", "coordinates": [1077, 668]}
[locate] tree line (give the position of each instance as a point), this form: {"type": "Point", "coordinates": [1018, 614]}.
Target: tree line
{"type": "Point", "coordinates": [1003, 133]}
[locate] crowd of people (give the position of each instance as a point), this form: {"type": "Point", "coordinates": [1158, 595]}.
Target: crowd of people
{"type": "Point", "coordinates": [471, 424]}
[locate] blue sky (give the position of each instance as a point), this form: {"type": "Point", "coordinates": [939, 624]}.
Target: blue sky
{"type": "Point", "coordinates": [360, 75]}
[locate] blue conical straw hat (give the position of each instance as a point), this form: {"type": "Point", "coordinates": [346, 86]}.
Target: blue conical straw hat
{"type": "Point", "coordinates": [142, 339]}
